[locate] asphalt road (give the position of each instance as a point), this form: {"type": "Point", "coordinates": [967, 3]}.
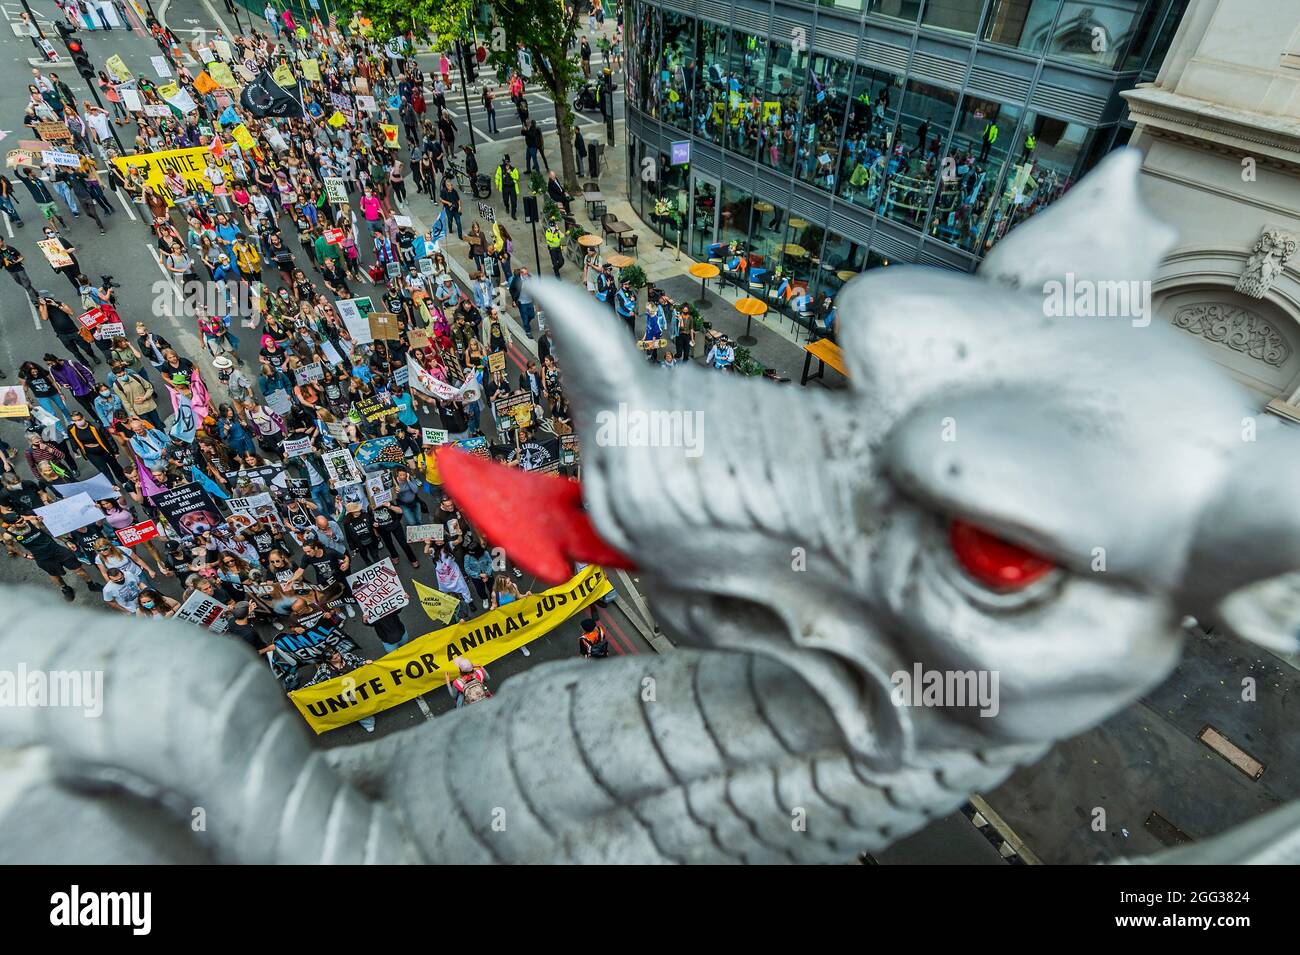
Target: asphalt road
{"type": "Point", "coordinates": [125, 251]}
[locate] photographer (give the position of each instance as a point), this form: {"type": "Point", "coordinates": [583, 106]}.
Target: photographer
{"type": "Point", "coordinates": [65, 327]}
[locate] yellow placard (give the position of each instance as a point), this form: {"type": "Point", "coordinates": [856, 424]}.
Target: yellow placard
{"type": "Point", "coordinates": [439, 606]}
{"type": "Point", "coordinates": [117, 69]}
{"type": "Point", "coordinates": [310, 70]}
{"type": "Point", "coordinates": [390, 135]}
{"type": "Point", "coordinates": [168, 91]}
{"type": "Point", "coordinates": [336, 119]}
{"type": "Point", "coordinates": [243, 138]}
{"type": "Point", "coordinates": [419, 666]}
{"type": "Point", "coordinates": [221, 73]}
{"type": "Point", "coordinates": [284, 76]}
{"type": "Point", "coordinates": [189, 163]}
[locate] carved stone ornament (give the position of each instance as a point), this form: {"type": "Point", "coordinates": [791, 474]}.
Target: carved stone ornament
{"type": "Point", "coordinates": [1269, 257]}
{"type": "Point", "coordinates": [1237, 328]}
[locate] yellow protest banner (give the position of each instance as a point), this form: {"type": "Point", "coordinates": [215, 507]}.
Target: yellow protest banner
{"type": "Point", "coordinates": [189, 163]}
{"type": "Point", "coordinates": [221, 73]}
{"type": "Point", "coordinates": [336, 119]}
{"type": "Point", "coordinates": [390, 135]}
{"type": "Point", "coordinates": [310, 69]}
{"type": "Point", "coordinates": [439, 606]}
{"type": "Point", "coordinates": [205, 83]}
{"type": "Point", "coordinates": [169, 90]}
{"type": "Point", "coordinates": [283, 75]}
{"type": "Point", "coordinates": [117, 69]}
{"type": "Point", "coordinates": [419, 666]}
{"type": "Point", "coordinates": [243, 138]}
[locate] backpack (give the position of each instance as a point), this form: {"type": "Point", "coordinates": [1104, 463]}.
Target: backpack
{"type": "Point", "coordinates": [474, 691]}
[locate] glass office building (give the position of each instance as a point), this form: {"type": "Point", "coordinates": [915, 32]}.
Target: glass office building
{"type": "Point", "coordinates": [828, 138]}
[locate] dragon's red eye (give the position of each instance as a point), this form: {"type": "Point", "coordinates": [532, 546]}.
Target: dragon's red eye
{"type": "Point", "coordinates": [995, 563]}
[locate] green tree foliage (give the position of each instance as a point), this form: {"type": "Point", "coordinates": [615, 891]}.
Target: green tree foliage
{"type": "Point", "coordinates": [444, 18]}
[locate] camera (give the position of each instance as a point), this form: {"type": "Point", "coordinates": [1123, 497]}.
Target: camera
{"type": "Point", "coordinates": [106, 281]}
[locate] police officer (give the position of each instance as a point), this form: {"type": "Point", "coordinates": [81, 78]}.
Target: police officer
{"type": "Point", "coordinates": [507, 183]}
{"type": "Point", "coordinates": [625, 304]}
{"type": "Point", "coordinates": [605, 286]}
{"type": "Point", "coordinates": [554, 245]}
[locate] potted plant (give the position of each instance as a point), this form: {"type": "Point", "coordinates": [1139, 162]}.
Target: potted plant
{"type": "Point", "coordinates": [745, 363]}
{"type": "Point", "coordinates": [635, 275]}
{"type": "Point", "coordinates": [551, 211]}
{"type": "Point", "coordinates": [536, 182]}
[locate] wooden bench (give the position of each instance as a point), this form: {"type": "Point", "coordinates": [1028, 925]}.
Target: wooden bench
{"type": "Point", "coordinates": [827, 353]}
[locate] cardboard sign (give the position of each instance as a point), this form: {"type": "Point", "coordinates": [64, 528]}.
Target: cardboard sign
{"type": "Point", "coordinates": [248, 512]}
{"type": "Point", "coordinates": [333, 236]}
{"type": "Point", "coordinates": [417, 338]}
{"type": "Point", "coordinates": [336, 191]}
{"type": "Point", "coordinates": [205, 611]}
{"type": "Point", "coordinates": [13, 402]}
{"type": "Point", "coordinates": [137, 533]}
{"type": "Point", "coordinates": [309, 373]}
{"type": "Point", "coordinates": [53, 132]}
{"type": "Point", "coordinates": [279, 402]}
{"type": "Point", "coordinates": [375, 408]}
{"type": "Point", "coordinates": [55, 254]}
{"type": "Point", "coordinates": [160, 67]}
{"type": "Point", "coordinates": [297, 447]}
{"type": "Point", "coordinates": [378, 590]}
{"type": "Point", "coordinates": [385, 326]}
{"type": "Point", "coordinates": [340, 466]}
{"type": "Point", "coordinates": [93, 317]}
{"type": "Point", "coordinates": [432, 437]}
{"type": "Point", "coordinates": [496, 362]}
{"type": "Point", "coordinates": [517, 407]}
{"type": "Point", "coordinates": [107, 331]}
{"type": "Point", "coordinates": [424, 532]}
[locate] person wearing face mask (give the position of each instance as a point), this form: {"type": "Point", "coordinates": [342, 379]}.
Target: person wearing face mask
{"type": "Point", "coordinates": [155, 604]}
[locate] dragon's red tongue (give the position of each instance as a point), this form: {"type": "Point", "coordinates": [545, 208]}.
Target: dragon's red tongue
{"type": "Point", "coordinates": [537, 518]}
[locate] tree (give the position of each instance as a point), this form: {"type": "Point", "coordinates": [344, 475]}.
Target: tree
{"type": "Point", "coordinates": [547, 30]}
{"type": "Point", "coordinates": [390, 18]}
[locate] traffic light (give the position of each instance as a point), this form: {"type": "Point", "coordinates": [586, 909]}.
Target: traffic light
{"type": "Point", "coordinates": [81, 59]}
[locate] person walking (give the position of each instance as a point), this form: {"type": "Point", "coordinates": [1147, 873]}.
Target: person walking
{"type": "Point", "coordinates": [507, 184]}
{"type": "Point", "coordinates": [12, 260]}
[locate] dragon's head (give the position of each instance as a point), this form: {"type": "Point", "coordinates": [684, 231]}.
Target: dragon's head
{"type": "Point", "coordinates": [997, 490]}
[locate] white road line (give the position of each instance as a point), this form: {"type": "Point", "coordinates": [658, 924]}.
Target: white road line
{"type": "Point", "coordinates": [36, 316]}
{"type": "Point", "coordinates": [220, 22]}
{"type": "Point", "coordinates": [125, 205]}
{"type": "Point", "coordinates": [9, 225]}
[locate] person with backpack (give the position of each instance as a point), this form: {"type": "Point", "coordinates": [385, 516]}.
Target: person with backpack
{"type": "Point", "coordinates": [470, 686]}
{"type": "Point", "coordinates": [592, 642]}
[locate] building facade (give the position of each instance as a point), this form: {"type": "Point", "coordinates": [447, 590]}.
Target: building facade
{"type": "Point", "coordinates": [829, 138]}
{"type": "Point", "coordinates": [1220, 130]}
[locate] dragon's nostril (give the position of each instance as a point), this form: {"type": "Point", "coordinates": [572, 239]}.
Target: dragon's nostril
{"type": "Point", "coordinates": [994, 562]}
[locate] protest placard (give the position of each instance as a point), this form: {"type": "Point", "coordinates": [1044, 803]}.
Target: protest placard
{"type": "Point", "coordinates": [378, 590]}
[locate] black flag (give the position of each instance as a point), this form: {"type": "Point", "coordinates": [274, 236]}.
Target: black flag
{"type": "Point", "coordinates": [265, 97]}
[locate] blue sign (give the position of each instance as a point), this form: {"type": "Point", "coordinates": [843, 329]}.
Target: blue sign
{"type": "Point", "coordinates": [681, 153]}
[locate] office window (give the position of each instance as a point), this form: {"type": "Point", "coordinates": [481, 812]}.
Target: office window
{"type": "Point", "coordinates": [841, 261]}
{"type": "Point", "coordinates": [780, 116]}
{"type": "Point", "coordinates": [643, 56]}
{"type": "Point", "coordinates": [748, 64]}
{"type": "Point", "coordinates": [711, 92]}
{"type": "Point", "coordinates": [1152, 61]}
{"type": "Point", "coordinates": [970, 170]}
{"type": "Point", "coordinates": [873, 111]}
{"type": "Point", "coordinates": [853, 5]}
{"type": "Point", "coordinates": [818, 156]}
{"type": "Point", "coordinates": [898, 9]}
{"type": "Point", "coordinates": [1023, 24]}
{"type": "Point", "coordinates": [677, 70]}
{"type": "Point", "coordinates": [959, 16]}
{"type": "Point", "coordinates": [1043, 166]}
{"type": "Point", "coordinates": [704, 213]}
{"type": "Point", "coordinates": [1095, 32]}
{"type": "Point", "coordinates": [735, 211]}
{"type": "Point", "coordinates": [913, 168]}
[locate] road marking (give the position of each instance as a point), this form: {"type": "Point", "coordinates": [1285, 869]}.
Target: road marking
{"type": "Point", "coordinates": [1230, 751]}
{"type": "Point", "coordinates": [125, 205]}
{"type": "Point", "coordinates": [36, 316]}
{"type": "Point", "coordinates": [9, 225]}
{"type": "Point", "coordinates": [424, 707]}
{"type": "Point", "coordinates": [220, 22]}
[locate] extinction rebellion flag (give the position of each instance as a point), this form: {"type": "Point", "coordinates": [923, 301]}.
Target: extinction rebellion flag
{"type": "Point", "coordinates": [265, 97]}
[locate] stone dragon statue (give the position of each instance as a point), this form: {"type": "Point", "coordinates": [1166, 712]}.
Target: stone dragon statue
{"type": "Point", "coordinates": [1000, 491]}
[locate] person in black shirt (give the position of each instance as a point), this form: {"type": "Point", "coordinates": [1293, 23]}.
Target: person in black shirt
{"type": "Point", "coordinates": [19, 496]}
{"type": "Point", "coordinates": [327, 567]}
{"type": "Point", "coordinates": [50, 556]}
{"type": "Point", "coordinates": [450, 198]}
{"type": "Point", "coordinates": [64, 326]}
{"type": "Point", "coordinates": [361, 533]}
{"type": "Point", "coordinates": [387, 521]}
{"type": "Point", "coordinates": [241, 626]}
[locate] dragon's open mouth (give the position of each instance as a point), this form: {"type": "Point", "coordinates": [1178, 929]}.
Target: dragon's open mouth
{"type": "Point", "coordinates": [537, 518]}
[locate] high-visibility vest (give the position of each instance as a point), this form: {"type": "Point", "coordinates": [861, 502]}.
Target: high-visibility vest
{"type": "Point", "coordinates": [554, 238]}
{"type": "Point", "coordinates": [514, 176]}
{"type": "Point", "coordinates": [1030, 142]}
